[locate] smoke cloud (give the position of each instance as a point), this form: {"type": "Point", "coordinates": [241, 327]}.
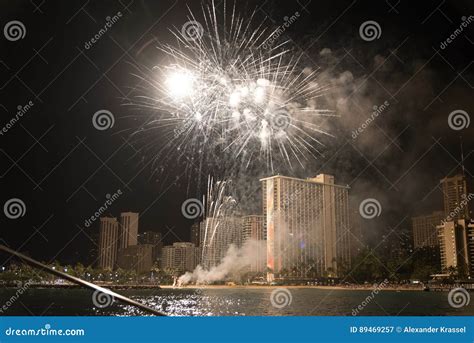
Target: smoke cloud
{"type": "Point", "coordinates": [236, 262]}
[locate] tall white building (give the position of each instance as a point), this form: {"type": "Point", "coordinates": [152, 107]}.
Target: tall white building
{"type": "Point", "coordinates": [108, 242]}
{"type": "Point", "coordinates": [307, 223]}
{"type": "Point", "coordinates": [456, 242]}
{"type": "Point", "coordinates": [128, 229]}
{"type": "Point", "coordinates": [182, 256]}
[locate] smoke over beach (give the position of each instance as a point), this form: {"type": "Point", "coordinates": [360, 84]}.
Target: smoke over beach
{"type": "Point", "coordinates": [236, 262]}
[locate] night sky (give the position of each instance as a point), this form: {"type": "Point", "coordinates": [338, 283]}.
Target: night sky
{"type": "Point", "coordinates": [62, 167]}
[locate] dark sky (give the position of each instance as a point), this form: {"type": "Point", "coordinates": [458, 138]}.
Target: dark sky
{"type": "Point", "coordinates": [62, 168]}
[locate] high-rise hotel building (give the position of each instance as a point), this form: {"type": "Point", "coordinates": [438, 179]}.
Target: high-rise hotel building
{"type": "Point", "coordinates": [307, 223]}
{"type": "Point", "coordinates": [115, 237]}
{"type": "Point", "coordinates": [454, 192]}
{"type": "Point", "coordinates": [456, 232]}
{"type": "Point", "coordinates": [108, 242]}
{"type": "Point", "coordinates": [128, 229]}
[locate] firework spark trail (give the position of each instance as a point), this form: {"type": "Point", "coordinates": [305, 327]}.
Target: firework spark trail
{"type": "Point", "coordinates": [219, 207]}
{"type": "Point", "coordinates": [222, 93]}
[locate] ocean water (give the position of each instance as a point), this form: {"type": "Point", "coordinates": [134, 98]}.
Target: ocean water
{"type": "Point", "coordinates": [235, 301]}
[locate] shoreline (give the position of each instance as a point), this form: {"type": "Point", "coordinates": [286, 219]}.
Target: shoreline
{"type": "Point", "coordinates": [240, 287]}
{"type": "Point", "coordinates": [342, 288]}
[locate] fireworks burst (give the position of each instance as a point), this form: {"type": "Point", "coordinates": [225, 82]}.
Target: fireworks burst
{"type": "Point", "coordinates": [228, 93]}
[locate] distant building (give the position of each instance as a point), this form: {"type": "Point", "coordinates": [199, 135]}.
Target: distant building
{"type": "Point", "coordinates": [307, 223]}
{"type": "Point", "coordinates": [136, 257]}
{"type": "Point", "coordinates": [425, 232]}
{"type": "Point", "coordinates": [182, 256]}
{"type": "Point", "coordinates": [195, 233]}
{"type": "Point", "coordinates": [154, 238]}
{"type": "Point", "coordinates": [358, 240]}
{"type": "Point", "coordinates": [254, 229]}
{"type": "Point", "coordinates": [454, 195]}
{"type": "Point", "coordinates": [128, 229]}
{"type": "Point", "coordinates": [108, 243]}
{"type": "Point", "coordinates": [216, 236]}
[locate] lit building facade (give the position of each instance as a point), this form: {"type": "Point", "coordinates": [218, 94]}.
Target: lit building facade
{"type": "Point", "coordinates": [454, 194]}
{"type": "Point", "coordinates": [457, 246]}
{"type": "Point", "coordinates": [128, 229]}
{"type": "Point", "coordinates": [182, 256]}
{"type": "Point", "coordinates": [108, 243]}
{"type": "Point", "coordinates": [307, 223]}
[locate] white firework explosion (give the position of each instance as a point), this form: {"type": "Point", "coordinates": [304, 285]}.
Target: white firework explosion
{"type": "Point", "coordinates": [229, 94]}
